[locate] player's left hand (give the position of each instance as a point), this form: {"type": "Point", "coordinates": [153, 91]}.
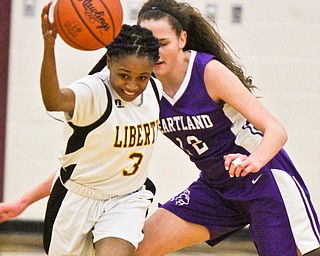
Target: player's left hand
{"type": "Point", "coordinates": [240, 165]}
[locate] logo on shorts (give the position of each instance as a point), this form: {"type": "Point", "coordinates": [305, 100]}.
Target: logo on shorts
{"type": "Point", "coordinates": [182, 199]}
{"type": "Point", "coordinates": [254, 181]}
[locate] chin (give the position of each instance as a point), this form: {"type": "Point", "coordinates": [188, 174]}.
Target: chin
{"type": "Point", "coordinates": [128, 99]}
{"type": "Point", "coordinates": [158, 72]}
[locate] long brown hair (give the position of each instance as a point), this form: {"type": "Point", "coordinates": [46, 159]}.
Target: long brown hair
{"type": "Point", "coordinates": [202, 36]}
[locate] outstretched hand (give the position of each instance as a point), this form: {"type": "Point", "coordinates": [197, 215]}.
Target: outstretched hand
{"type": "Point", "coordinates": [11, 210]}
{"type": "Point", "coordinates": [48, 30]}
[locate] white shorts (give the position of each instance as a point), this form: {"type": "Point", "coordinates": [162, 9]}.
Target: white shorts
{"type": "Point", "coordinates": [81, 221]}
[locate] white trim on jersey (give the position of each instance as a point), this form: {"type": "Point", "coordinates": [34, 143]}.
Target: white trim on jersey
{"type": "Point", "coordinates": [185, 82]}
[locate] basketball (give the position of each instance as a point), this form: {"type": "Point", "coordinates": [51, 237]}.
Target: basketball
{"type": "Point", "coordinates": [88, 25]}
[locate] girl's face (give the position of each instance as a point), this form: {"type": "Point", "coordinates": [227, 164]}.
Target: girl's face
{"type": "Point", "coordinates": [129, 76]}
{"type": "Point", "coordinates": [170, 45]}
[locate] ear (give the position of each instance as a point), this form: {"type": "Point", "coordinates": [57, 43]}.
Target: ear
{"type": "Point", "coordinates": [183, 39]}
{"type": "Point", "coordinates": [108, 61]}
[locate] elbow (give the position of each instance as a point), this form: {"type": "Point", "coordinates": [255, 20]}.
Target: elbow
{"type": "Point", "coordinates": [49, 107]}
{"type": "Point", "coordinates": [284, 134]}
{"type": "Point", "coordinates": [52, 105]}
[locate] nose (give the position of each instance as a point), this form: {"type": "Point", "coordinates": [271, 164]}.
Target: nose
{"type": "Point", "coordinates": [132, 86]}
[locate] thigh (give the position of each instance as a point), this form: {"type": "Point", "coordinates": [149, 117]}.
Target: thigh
{"type": "Point", "coordinates": [204, 205]}
{"type": "Point", "coordinates": [165, 232]}
{"type": "Point", "coordinates": [71, 233]}
{"type": "Point", "coordinates": [123, 217]}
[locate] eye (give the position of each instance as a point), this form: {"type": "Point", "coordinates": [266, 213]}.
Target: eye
{"type": "Point", "coordinates": [164, 42]}
{"type": "Point", "coordinates": [123, 76]}
{"type": "Point", "coordinates": [143, 78]}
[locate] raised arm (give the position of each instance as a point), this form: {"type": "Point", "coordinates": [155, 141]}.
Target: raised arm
{"type": "Point", "coordinates": [54, 97]}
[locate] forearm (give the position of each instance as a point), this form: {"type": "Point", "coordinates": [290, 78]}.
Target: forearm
{"type": "Point", "coordinates": [13, 209]}
{"type": "Point", "coordinates": [49, 84]}
{"type": "Point", "coordinates": [39, 192]}
{"type": "Point", "coordinates": [274, 137]}
{"type": "Point", "coordinates": [273, 140]}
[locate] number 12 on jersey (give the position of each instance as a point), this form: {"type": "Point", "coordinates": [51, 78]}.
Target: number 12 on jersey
{"type": "Point", "coordinates": [199, 146]}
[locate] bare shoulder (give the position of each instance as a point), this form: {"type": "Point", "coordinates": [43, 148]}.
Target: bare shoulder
{"type": "Point", "coordinates": [220, 81]}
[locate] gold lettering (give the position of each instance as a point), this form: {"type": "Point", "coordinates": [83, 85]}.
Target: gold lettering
{"type": "Point", "coordinates": [136, 135]}
{"type": "Point", "coordinates": [139, 135]}
{"type": "Point", "coordinates": [147, 134]}
{"type": "Point", "coordinates": [125, 136]}
{"type": "Point", "coordinates": [117, 143]}
{"type": "Point", "coordinates": [132, 138]}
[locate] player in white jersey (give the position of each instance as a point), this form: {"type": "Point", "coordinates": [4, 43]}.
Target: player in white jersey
{"type": "Point", "coordinates": [98, 204]}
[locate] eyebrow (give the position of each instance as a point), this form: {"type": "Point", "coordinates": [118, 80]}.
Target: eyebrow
{"type": "Point", "coordinates": [145, 73]}
{"type": "Point", "coordinates": [164, 39]}
{"type": "Point", "coordinates": [128, 71]}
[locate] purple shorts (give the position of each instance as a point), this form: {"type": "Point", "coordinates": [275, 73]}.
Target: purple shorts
{"type": "Point", "coordinates": [275, 204]}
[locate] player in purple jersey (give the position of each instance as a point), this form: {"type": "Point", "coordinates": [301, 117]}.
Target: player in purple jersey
{"type": "Point", "coordinates": [209, 111]}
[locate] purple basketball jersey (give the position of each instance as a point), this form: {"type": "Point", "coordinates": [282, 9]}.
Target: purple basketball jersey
{"type": "Point", "coordinates": [207, 131]}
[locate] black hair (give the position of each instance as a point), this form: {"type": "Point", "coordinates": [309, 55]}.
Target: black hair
{"type": "Point", "coordinates": [132, 40]}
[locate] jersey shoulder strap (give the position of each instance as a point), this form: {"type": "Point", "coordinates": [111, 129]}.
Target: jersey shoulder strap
{"type": "Point", "coordinates": [155, 89]}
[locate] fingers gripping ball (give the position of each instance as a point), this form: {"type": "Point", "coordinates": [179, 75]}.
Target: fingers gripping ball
{"type": "Point", "coordinates": [88, 24]}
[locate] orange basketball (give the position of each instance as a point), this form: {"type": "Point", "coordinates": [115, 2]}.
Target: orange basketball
{"type": "Point", "coordinates": [88, 24]}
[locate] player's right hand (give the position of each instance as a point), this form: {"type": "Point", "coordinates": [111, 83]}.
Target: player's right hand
{"type": "Point", "coordinates": [49, 32]}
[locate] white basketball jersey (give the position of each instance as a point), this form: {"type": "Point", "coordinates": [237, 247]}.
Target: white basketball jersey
{"type": "Point", "coordinates": [108, 141]}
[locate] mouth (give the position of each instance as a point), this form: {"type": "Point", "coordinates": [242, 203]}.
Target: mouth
{"type": "Point", "coordinates": [129, 93]}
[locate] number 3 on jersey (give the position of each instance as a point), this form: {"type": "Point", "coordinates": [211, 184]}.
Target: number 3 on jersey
{"type": "Point", "coordinates": [197, 144]}
{"type": "Point", "coordinates": [138, 159]}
